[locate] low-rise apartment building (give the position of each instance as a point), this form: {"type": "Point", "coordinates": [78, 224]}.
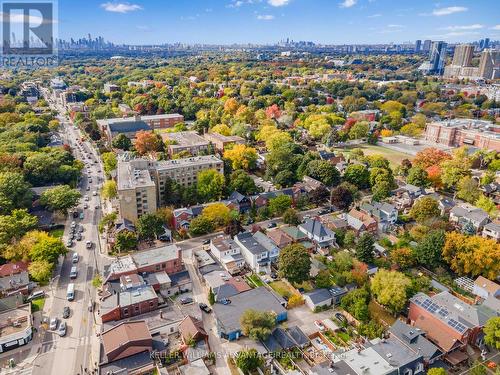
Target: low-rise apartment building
{"type": "Point", "coordinates": [188, 141]}
{"type": "Point", "coordinates": [141, 182]}
{"type": "Point", "coordinates": [15, 327]}
{"type": "Point", "coordinates": [221, 142]}
{"type": "Point", "coordinates": [464, 132]}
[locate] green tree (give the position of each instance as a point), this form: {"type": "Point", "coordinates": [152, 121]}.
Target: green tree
{"type": "Point", "coordinates": [14, 192]}
{"type": "Point", "coordinates": [201, 225]}
{"type": "Point", "coordinates": [107, 222]}
{"type": "Point", "coordinates": [424, 209]}
{"type": "Point", "coordinates": [357, 175]}
{"type": "Point", "coordinates": [109, 190]}
{"type": "Point", "coordinates": [109, 162]}
{"type": "Point", "coordinates": [468, 190]}
{"type": "Point", "coordinates": [453, 170]}
{"type": "Point", "coordinates": [294, 263]}
{"type": "Point", "coordinates": [280, 204]}
{"type": "Point", "coordinates": [356, 303]}
{"type": "Point", "coordinates": [210, 185]}
{"type": "Point", "coordinates": [487, 205]}
{"type": "Point", "coordinates": [149, 226]}
{"type": "Point", "coordinates": [15, 225]}
{"type": "Point", "coordinates": [291, 217]}
{"type": "Point", "coordinates": [40, 270]}
{"type": "Point", "coordinates": [323, 279]}
{"type": "Point", "coordinates": [122, 142]}
{"type": "Point", "coordinates": [492, 332]}
{"type": "Point", "coordinates": [211, 297]}
{"type": "Point", "coordinates": [359, 130]}
{"type": "Point", "coordinates": [125, 241]}
{"type": "Point", "coordinates": [428, 251]}
{"type": "Point", "coordinates": [248, 360]}
{"type": "Point", "coordinates": [341, 197]}
{"type": "Point", "coordinates": [364, 248]}
{"type": "Point", "coordinates": [241, 182]}
{"type": "Point", "coordinates": [323, 171]}
{"type": "Point", "coordinates": [418, 176]}
{"type": "Point", "coordinates": [257, 325]}
{"type": "Point", "coordinates": [381, 190]}
{"type": "Point", "coordinates": [97, 281]}
{"type": "Point", "coordinates": [60, 198]}
{"type": "Point", "coordinates": [390, 289]}
{"type": "Point", "coordinates": [42, 246]}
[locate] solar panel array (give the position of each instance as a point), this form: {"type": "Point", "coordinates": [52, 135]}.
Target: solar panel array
{"type": "Point", "coordinates": [433, 307]}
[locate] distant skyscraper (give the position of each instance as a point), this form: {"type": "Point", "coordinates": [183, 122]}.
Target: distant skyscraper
{"type": "Point", "coordinates": [418, 45]}
{"type": "Point", "coordinates": [437, 57]}
{"type": "Point", "coordinates": [484, 43]}
{"type": "Point", "coordinates": [489, 64]}
{"type": "Point", "coordinates": [463, 55]}
{"type": "Point", "coordinates": [426, 47]}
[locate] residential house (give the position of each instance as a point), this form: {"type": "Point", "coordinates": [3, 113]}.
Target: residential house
{"type": "Point", "coordinates": [258, 252]}
{"type": "Point", "coordinates": [405, 196]}
{"type": "Point", "coordinates": [414, 339]}
{"type": "Point", "coordinates": [15, 283]}
{"type": "Point", "coordinates": [127, 347]}
{"type": "Point", "coordinates": [333, 222]}
{"type": "Point", "coordinates": [310, 184]}
{"type": "Point", "coordinates": [263, 199]}
{"type": "Point", "coordinates": [492, 230]}
{"type": "Point", "coordinates": [13, 268]}
{"type": "Point", "coordinates": [485, 288]}
{"type": "Point", "coordinates": [228, 253]}
{"type": "Point", "coordinates": [385, 214]}
{"type": "Point", "coordinates": [191, 329]}
{"type": "Point", "coordinates": [361, 222]}
{"type": "Point", "coordinates": [324, 298]}
{"type": "Point", "coordinates": [316, 267]}
{"type": "Point", "coordinates": [449, 323]}
{"type": "Point", "coordinates": [222, 142]}
{"type": "Point", "coordinates": [279, 237]}
{"type": "Point", "coordinates": [281, 339]}
{"type": "Point", "coordinates": [466, 213]}
{"type": "Point", "coordinates": [227, 316]}
{"type": "Point", "coordinates": [243, 202]}
{"type": "Point", "coordinates": [322, 237]}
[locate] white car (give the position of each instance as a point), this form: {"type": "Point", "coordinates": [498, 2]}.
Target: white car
{"type": "Point", "coordinates": [94, 193]}
{"type": "Point", "coordinates": [53, 324]}
{"type": "Point", "coordinates": [319, 324]}
{"type": "Point", "coordinates": [75, 258]}
{"type": "Point", "coordinates": [86, 198]}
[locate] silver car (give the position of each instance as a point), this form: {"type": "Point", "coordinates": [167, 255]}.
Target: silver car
{"type": "Point", "coordinates": [53, 324]}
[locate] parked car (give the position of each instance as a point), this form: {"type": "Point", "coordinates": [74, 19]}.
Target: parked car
{"type": "Point", "coordinates": [73, 224]}
{"type": "Point", "coordinates": [94, 193]}
{"type": "Point", "coordinates": [36, 295]}
{"type": "Point", "coordinates": [341, 318]}
{"type": "Point", "coordinates": [53, 324]}
{"type": "Point", "coordinates": [271, 225]}
{"type": "Point", "coordinates": [206, 242]}
{"type": "Point", "coordinates": [79, 236]}
{"type": "Point", "coordinates": [319, 324]}
{"type": "Point", "coordinates": [62, 329]}
{"type": "Point", "coordinates": [82, 215]}
{"type": "Point", "coordinates": [75, 258]}
{"type": "Point", "coordinates": [185, 300]}
{"type": "Point", "coordinates": [85, 206]}
{"type": "Point", "coordinates": [69, 242]}
{"type": "Point", "coordinates": [205, 308]}
{"type": "Point", "coordinates": [88, 244]}
{"type": "Point", "coordinates": [66, 312]}
{"type": "Point", "coordinates": [225, 301]}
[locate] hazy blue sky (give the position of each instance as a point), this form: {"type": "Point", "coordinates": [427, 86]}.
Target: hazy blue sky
{"type": "Point", "coordinates": [267, 21]}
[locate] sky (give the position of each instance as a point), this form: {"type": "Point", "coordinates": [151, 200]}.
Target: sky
{"type": "Point", "coordinates": [268, 21]}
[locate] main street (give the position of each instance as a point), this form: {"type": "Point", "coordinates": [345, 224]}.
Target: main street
{"type": "Point", "coordinates": [76, 351]}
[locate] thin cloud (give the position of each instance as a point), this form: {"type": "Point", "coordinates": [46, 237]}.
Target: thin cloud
{"type": "Point", "coordinates": [265, 17]}
{"type": "Point", "coordinates": [120, 7]}
{"type": "Point", "coordinates": [448, 10]}
{"type": "Point", "coordinates": [348, 3]}
{"type": "Point", "coordinates": [392, 26]}
{"type": "Point", "coordinates": [496, 27]}
{"type": "Point", "coordinates": [278, 3]}
{"type": "Point", "coordinates": [475, 26]}
{"type": "Point", "coordinates": [374, 15]}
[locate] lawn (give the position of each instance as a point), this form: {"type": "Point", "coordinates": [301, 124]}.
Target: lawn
{"type": "Point", "coordinates": [57, 233]}
{"type": "Point", "coordinates": [283, 289]}
{"type": "Point", "coordinates": [394, 157]}
{"type": "Point", "coordinates": [37, 304]}
{"type": "Point", "coordinates": [255, 280]}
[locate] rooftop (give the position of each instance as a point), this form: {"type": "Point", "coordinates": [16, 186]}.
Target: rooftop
{"type": "Point", "coordinates": [248, 240]}
{"type": "Point", "coordinates": [186, 162]}
{"type": "Point", "coordinates": [261, 299]}
{"type": "Point", "coordinates": [124, 333]}
{"type": "Point", "coordinates": [184, 139]}
{"type": "Point", "coordinates": [156, 256]}
{"type": "Point", "coordinates": [131, 175]}
{"type": "Point", "coordinates": [15, 320]}
{"type": "Point", "coordinates": [136, 295]}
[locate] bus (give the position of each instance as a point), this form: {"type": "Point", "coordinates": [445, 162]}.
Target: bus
{"type": "Point", "coordinates": [70, 293]}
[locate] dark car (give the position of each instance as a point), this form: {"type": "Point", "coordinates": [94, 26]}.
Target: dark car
{"type": "Point", "coordinates": [271, 225]}
{"type": "Point", "coordinates": [206, 242]}
{"type": "Point", "coordinates": [186, 300]}
{"type": "Point", "coordinates": [205, 308]}
{"type": "Point", "coordinates": [66, 312]}
{"type": "Point", "coordinates": [225, 301]}
{"type": "Point", "coordinates": [341, 318]}
{"type": "Point", "coordinates": [324, 211]}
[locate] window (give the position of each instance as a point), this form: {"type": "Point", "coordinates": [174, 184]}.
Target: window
{"type": "Point", "coordinates": [420, 368]}
{"type": "Point", "coordinates": [136, 309]}
{"type": "Point", "coordinates": [125, 311]}
{"type": "Point", "coordinates": [407, 371]}
{"type": "Point", "coordinates": [171, 329]}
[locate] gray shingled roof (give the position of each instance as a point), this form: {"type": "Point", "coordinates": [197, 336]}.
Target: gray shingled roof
{"type": "Point", "coordinates": [414, 338]}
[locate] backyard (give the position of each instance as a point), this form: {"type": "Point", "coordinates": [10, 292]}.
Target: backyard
{"type": "Point", "coordinates": [37, 304]}
{"type": "Point", "coordinates": [254, 280]}
{"type": "Point", "coordinates": [282, 288]}
{"type": "Point", "coordinates": [378, 313]}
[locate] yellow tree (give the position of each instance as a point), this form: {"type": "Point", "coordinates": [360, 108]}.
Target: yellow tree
{"type": "Point", "coordinates": [231, 106]}
{"type": "Point", "coordinates": [390, 288]}
{"type": "Point", "coordinates": [217, 213]}
{"type": "Point", "coordinates": [241, 157]}
{"type": "Point", "coordinates": [221, 129]}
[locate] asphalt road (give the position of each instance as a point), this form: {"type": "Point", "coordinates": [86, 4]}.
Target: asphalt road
{"type": "Point", "coordinates": [72, 353]}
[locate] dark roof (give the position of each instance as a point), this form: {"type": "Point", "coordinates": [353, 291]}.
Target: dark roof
{"type": "Point", "coordinates": [319, 295]}
{"type": "Point", "coordinates": [279, 340]}
{"type": "Point", "coordinates": [11, 302]}
{"type": "Point", "coordinates": [248, 240]}
{"type": "Point", "coordinates": [236, 196]}
{"type": "Point", "coordinates": [225, 291]}
{"type": "Point", "coordinates": [298, 336]}
{"type": "Point", "coordinates": [315, 227]}
{"type": "Point", "coordinates": [130, 363]}
{"type": "Point", "coordinates": [128, 126]}
{"type": "Point", "coordinates": [414, 338]}
{"type": "Point", "coordinates": [124, 225]}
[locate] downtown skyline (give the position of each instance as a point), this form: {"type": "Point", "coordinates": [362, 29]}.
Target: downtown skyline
{"type": "Point", "coordinates": [268, 21]}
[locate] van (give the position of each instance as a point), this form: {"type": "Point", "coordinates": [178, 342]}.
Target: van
{"type": "Point", "coordinates": [73, 273]}
{"type": "Point", "coordinates": [36, 295]}
{"type": "Point", "coordinates": [70, 292]}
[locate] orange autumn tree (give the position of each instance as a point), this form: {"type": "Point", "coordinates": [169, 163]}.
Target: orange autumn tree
{"type": "Point", "coordinates": [146, 142]}
{"type": "Point", "coordinates": [434, 176]}
{"type": "Point", "coordinates": [429, 157]}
